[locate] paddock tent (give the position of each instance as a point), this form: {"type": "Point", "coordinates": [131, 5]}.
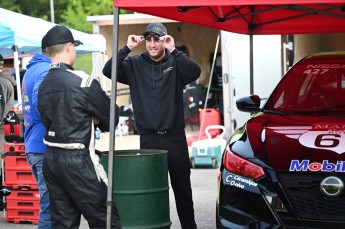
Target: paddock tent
{"type": "Point", "coordinates": [26, 33]}
{"type": "Point", "coordinates": [249, 16]}
{"type": "Point", "coordinates": [6, 35]}
{"type": "Point", "coordinates": [252, 17]}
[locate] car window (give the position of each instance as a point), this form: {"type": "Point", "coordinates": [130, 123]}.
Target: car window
{"type": "Point", "coordinates": [310, 86]}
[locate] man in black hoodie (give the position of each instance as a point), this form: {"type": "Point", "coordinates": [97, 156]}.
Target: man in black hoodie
{"type": "Point", "coordinates": [156, 79]}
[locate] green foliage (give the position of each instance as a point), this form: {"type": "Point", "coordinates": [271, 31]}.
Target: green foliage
{"type": "Point", "coordinates": [72, 13]}
{"type": "Point", "coordinates": [100, 7]}
{"type": "Point", "coordinates": [83, 62]}
{"type": "Point", "coordinates": [37, 8]}
{"type": "Point", "coordinates": [10, 5]}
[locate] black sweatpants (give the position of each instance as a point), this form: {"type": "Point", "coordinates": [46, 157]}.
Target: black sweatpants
{"type": "Point", "coordinates": [74, 189]}
{"type": "Point", "coordinates": [179, 171]}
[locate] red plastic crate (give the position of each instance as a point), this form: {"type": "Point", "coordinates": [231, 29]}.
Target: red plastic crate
{"type": "Point", "coordinates": [19, 180]}
{"type": "Point", "coordinates": [14, 147]}
{"type": "Point", "coordinates": [23, 195]}
{"type": "Point", "coordinates": [21, 216]}
{"type": "Point", "coordinates": [22, 204]}
{"type": "Point", "coordinates": [18, 173]}
{"type": "Point", "coordinates": [16, 163]}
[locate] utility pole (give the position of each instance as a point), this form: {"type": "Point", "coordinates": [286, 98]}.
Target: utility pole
{"type": "Point", "coordinates": [52, 11]}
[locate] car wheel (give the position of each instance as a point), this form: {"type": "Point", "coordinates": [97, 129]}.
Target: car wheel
{"type": "Point", "coordinates": [192, 162]}
{"type": "Point", "coordinates": [214, 163]}
{"type": "Point", "coordinates": [218, 226]}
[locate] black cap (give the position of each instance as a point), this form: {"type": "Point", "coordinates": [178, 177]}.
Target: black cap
{"type": "Point", "coordinates": [1, 59]}
{"type": "Point", "coordinates": [156, 27]}
{"type": "Point", "coordinates": [43, 43]}
{"type": "Point", "coordinates": [60, 35]}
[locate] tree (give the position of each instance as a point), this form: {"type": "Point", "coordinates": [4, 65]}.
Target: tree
{"type": "Point", "coordinates": [37, 8]}
{"type": "Point", "coordinates": [72, 13]}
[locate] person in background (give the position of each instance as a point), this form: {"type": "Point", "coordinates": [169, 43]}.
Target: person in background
{"type": "Point", "coordinates": [156, 79]}
{"type": "Point", "coordinates": [7, 84]}
{"type": "Point", "coordinates": [37, 69]}
{"type": "Point", "coordinates": [72, 104]}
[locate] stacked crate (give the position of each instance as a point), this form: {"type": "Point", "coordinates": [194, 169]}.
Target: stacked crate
{"type": "Point", "coordinates": [22, 205]}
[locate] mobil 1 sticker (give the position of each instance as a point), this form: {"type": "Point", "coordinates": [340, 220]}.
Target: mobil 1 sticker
{"type": "Point", "coordinates": [241, 182]}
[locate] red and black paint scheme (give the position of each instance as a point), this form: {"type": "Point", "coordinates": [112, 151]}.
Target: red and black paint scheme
{"type": "Point", "coordinates": [285, 168]}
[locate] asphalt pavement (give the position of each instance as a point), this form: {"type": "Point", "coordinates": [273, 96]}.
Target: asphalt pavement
{"type": "Point", "coordinates": [204, 185]}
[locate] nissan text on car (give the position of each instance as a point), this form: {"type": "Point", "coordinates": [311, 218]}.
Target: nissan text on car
{"type": "Point", "coordinates": [285, 168]}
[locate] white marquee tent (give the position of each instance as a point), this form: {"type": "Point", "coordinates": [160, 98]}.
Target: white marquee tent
{"type": "Point", "coordinates": [26, 32]}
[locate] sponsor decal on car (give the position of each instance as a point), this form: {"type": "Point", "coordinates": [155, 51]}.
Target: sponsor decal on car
{"type": "Point", "coordinates": [238, 181]}
{"type": "Point", "coordinates": [321, 68]}
{"type": "Point", "coordinates": [325, 166]}
{"type": "Point", "coordinates": [318, 136]}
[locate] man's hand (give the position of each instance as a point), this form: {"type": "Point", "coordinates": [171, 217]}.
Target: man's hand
{"type": "Point", "coordinates": [168, 41]}
{"type": "Point", "coordinates": [134, 40]}
{"type": "Point", "coordinates": [96, 121]}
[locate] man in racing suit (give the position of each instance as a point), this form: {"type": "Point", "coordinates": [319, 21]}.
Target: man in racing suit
{"type": "Point", "coordinates": [71, 103]}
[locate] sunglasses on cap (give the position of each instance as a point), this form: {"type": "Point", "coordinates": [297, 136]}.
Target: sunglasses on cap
{"type": "Point", "coordinates": [77, 43]}
{"type": "Point", "coordinates": [155, 37]}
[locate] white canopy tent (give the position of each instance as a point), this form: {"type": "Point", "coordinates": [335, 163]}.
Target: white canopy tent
{"type": "Point", "coordinates": [27, 33]}
{"type": "Point", "coordinates": [21, 34]}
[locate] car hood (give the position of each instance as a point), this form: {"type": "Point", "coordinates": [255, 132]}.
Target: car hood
{"type": "Point", "coordinates": [281, 142]}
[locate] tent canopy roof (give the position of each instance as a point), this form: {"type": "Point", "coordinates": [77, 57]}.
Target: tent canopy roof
{"type": "Point", "coordinates": [26, 32]}
{"type": "Point", "coordinates": [248, 16]}
{"type": "Point", "coordinates": [127, 19]}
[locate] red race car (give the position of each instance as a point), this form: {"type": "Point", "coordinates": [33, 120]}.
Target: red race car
{"type": "Point", "coordinates": [285, 168]}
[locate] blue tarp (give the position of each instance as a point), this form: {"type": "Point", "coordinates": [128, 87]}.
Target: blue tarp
{"type": "Point", "coordinates": [26, 33]}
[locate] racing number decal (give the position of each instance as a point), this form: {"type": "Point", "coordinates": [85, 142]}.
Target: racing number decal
{"type": "Point", "coordinates": [323, 140]}
{"type": "Point", "coordinates": [316, 71]}
{"type": "Point", "coordinates": [326, 140]}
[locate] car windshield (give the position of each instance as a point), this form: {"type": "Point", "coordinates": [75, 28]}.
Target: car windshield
{"type": "Point", "coordinates": [312, 86]}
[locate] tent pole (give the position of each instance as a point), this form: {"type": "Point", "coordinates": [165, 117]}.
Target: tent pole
{"type": "Point", "coordinates": [52, 13]}
{"type": "Point", "coordinates": [112, 116]}
{"type": "Point", "coordinates": [251, 63]}
{"type": "Point", "coordinates": [209, 84]}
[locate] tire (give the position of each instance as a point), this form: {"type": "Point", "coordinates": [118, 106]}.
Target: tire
{"type": "Point", "coordinates": [218, 226]}
{"type": "Point", "coordinates": [192, 163]}
{"type": "Point", "coordinates": [214, 163]}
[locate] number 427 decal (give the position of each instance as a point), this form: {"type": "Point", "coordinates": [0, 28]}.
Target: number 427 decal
{"type": "Point", "coordinates": [316, 71]}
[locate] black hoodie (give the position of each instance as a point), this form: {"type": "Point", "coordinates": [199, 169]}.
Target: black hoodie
{"type": "Point", "coordinates": [156, 88]}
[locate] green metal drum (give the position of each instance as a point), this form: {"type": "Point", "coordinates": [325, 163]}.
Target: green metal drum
{"type": "Point", "coordinates": [141, 188]}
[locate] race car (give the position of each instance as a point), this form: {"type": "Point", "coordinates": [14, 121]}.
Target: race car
{"type": "Point", "coordinates": [285, 168]}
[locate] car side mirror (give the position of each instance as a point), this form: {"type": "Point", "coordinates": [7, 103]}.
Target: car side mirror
{"type": "Point", "coordinates": [249, 103]}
